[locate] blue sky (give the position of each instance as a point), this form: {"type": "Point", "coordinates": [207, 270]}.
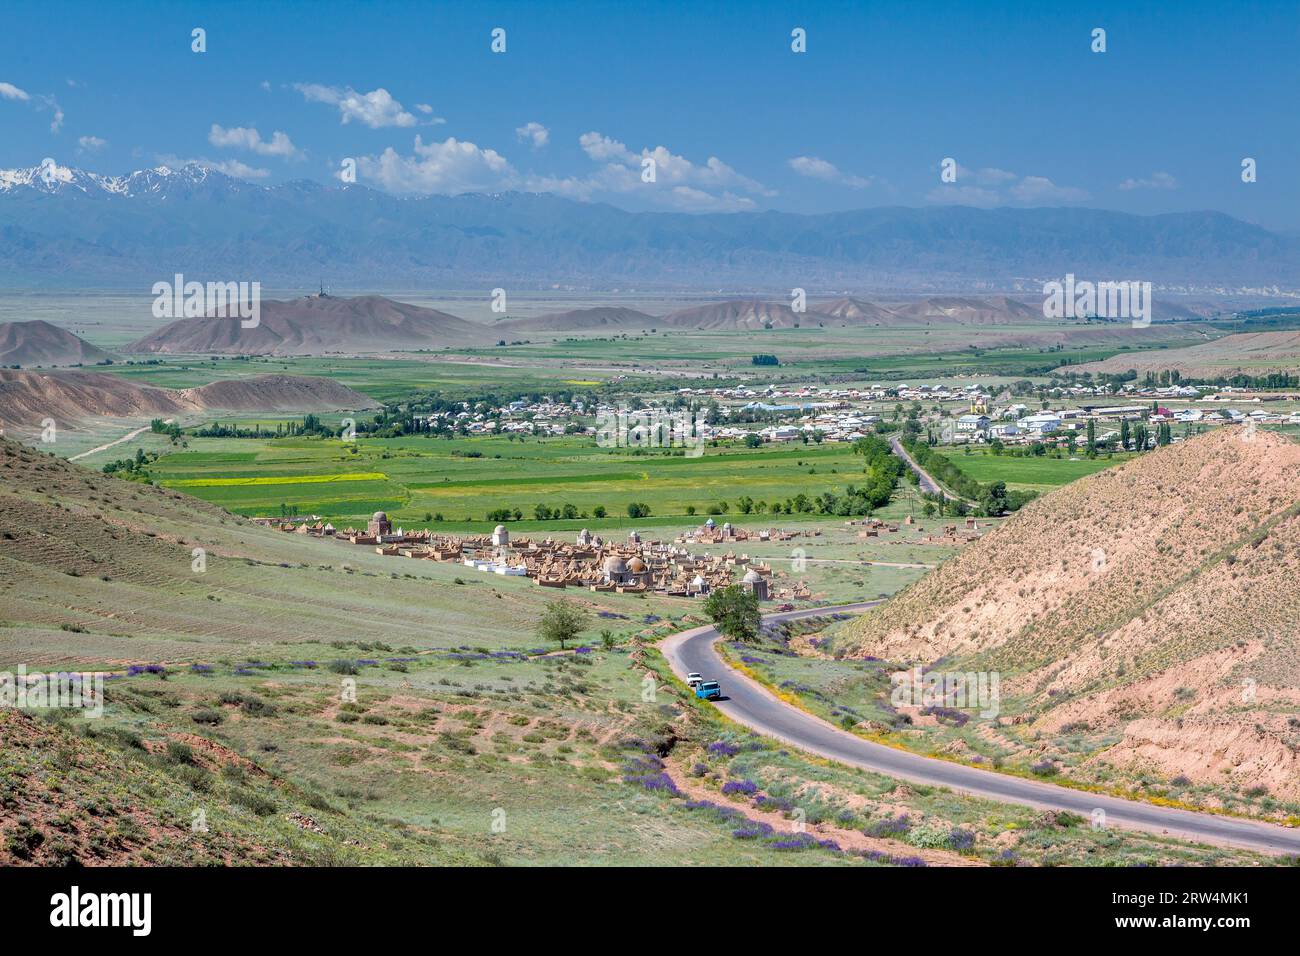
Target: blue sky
{"type": "Point", "coordinates": [1012, 91]}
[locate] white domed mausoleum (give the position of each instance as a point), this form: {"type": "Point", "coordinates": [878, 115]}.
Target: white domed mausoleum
{"type": "Point", "coordinates": [755, 583]}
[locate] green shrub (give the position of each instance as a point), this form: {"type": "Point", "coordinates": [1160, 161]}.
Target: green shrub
{"type": "Point", "coordinates": [178, 752]}
{"type": "Point", "coordinates": [196, 778]}
{"type": "Point", "coordinates": [251, 800]}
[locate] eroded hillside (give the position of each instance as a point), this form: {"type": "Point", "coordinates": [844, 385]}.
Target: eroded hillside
{"type": "Point", "coordinates": [1156, 600]}
{"type": "Point", "coordinates": [457, 740]}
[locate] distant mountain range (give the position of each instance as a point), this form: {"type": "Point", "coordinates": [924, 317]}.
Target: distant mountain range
{"type": "Point", "coordinates": [67, 228]}
{"type": "Point", "coordinates": [324, 324]}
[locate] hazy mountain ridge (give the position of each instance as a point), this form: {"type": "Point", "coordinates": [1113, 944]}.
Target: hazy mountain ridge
{"type": "Point", "coordinates": [316, 325]}
{"type": "Point", "coordinates": [82, 229]}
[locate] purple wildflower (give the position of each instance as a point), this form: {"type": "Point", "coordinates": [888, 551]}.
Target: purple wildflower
{"type": "Point", "coordinates": [745, 787]}
{"type": "Point", "coordinates": [889, 826]}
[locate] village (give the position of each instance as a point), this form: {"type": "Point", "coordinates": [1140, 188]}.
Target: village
{"type": "Point", "coordinates": [961, 414]}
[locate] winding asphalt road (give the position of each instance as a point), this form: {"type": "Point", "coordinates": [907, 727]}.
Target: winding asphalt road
{"type": "Point", "coordinates": [927, 482]}
{"type": "Point", "coordinates": [752, 705]}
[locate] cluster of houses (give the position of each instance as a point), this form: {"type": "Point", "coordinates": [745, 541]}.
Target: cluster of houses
{"type": "Point", "coordinates": [833, 397]}
{"type": "Point", "coordinates": [1015, 423]}
{"type": "Point", "coordinates": [589, 561]}
{"type": "Point", "coordinates": [545, 417]}
{"type": "Point", "coordinates": [844, 414]}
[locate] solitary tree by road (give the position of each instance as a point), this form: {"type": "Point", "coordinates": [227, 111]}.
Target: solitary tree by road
{"type": "Point", "coordinates": [562, 621]}
{"type": "Point", "coordinates": [735, 612]}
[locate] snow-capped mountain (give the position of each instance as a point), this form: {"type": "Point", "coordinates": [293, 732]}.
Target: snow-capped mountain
{"type": "Point", "coordinates": [62, 226]}
{"type": "Point", "coordinates": [50, 177]}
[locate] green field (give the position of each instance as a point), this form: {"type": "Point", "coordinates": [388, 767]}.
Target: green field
{"type": "Point", "coordinates": [384, 380]}
{"type": "Point", "coordinates": [464, 479]}
{"type": "Point", "coordinates": [641, 362]}
{"type": "Point", "coordinates": [1039, 474]}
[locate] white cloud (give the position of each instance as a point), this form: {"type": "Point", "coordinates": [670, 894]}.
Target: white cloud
{"type": "Point", "coordinates": [988, 176]}
{"type": "Point", "coordinates": [1159, 180]}
{"type": "Point", "coordinates": [247, 137]}
{"type": "Point", "coordinates": [679, 183]}
{"type": "Point", "coordinates": [455, 166]}
{"type": "Point", "coordinates": [50, 103]}
{"type": "Point", "coordinates": [989, 187]}
{"type": "Point", "coordinates": [449, 167]}
{"type": "Point", "coordinates": [375, 109]}
{"type": "Point", "coordinates": [91, 144]}
{"type": "Point", "coordinates": [1039, 189]}
{"type": "Point", "coordinates": [814, 167]}
{"type": "Point", "coordinates": [265, 85]}
{"type": "Point", "coordinates": [231, 167]}
{"type": "Point", "coordinates": [690, 199]}
{"type": "Point", "coordinates": [601, 148]}
{"type": "Point", "coordinates": [535, 133]}
{"type": "Point", "coordinates": [671, 169]}
{"type": "Point", "coordinates": [427, 110]}
{"type": "Point", "coordinates": [42, 102]}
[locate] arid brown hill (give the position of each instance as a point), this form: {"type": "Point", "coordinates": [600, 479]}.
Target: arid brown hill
{"type": "Point", "coordinates": [853, 311]}
{"type": "Point", "coordinates": [315, 325]}
{"type": "Point", "coordinates": [40, 343]}
{"type": "Point", "coordinates": [278, 393]}
{"type": "Point", "coordinates": [752, 314]}
{"type": "Point", "coordinates": [740, 315]}
{"type": "Point", "coordinates": [28, 397]}
{"type": "Point", "coordinates": [955, 310]}
{"type": "Point", "coordinates": [1156, 599]}
{"type": "Point", "coordinates": [581, 320]}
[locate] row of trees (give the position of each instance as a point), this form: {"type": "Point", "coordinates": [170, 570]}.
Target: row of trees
{"type": "Point", "coordinates": [566, 511]}
{"type": "Point", "coordinates": [992, 499]}
{"type": "Point", "coordinates": [310, 425]}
